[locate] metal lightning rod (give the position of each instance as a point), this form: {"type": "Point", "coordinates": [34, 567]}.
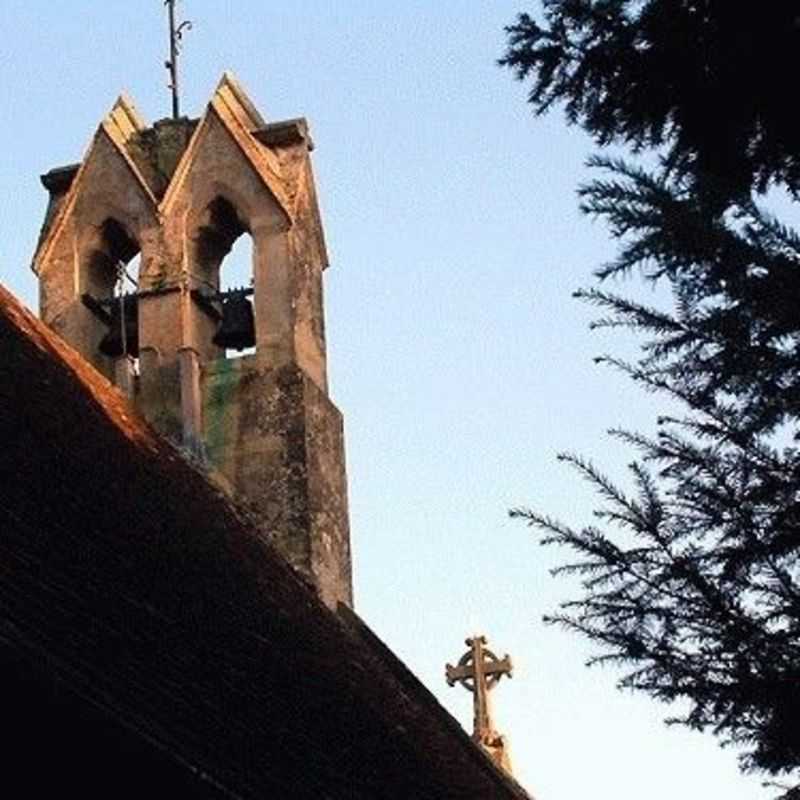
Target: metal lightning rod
{"type": "Point", "coordinates": [176, 32]}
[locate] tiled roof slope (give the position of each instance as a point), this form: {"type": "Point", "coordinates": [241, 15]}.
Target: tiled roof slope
{"type": "Point", "coordinates": [127, 578]}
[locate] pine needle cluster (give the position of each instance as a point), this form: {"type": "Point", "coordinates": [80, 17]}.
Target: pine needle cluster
{"type": "Point", "coordinates": [692, 582]}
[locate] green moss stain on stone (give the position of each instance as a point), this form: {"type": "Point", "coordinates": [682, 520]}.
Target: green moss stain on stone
{"type": "Point", "coordinates": [221, 390]}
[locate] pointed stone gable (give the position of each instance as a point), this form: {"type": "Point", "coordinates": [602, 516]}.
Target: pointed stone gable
{"type": "Point", "coordinates": [216, 162]}
{"type": "Point", "coordinates": [230, 121]}
{"type": "Point", "coordinates": [137, 145]}
{"type": "Point", "coordinates": [123, 190]}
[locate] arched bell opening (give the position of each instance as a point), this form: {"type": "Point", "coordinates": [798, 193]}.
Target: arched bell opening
{"type": "Point", "coordinates": [237, 330]}
{"type": "Point", "coordinates": [110, 285]}
{"type": "Point", "coordinates": [223, 266]}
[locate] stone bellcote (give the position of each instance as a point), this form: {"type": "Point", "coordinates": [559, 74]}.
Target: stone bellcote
{"type": "Point", "coordinates": [176, 196]}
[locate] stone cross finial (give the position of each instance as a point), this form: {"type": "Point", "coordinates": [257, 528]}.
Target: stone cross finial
{"type": "Point", "coordinates": [479, 671]}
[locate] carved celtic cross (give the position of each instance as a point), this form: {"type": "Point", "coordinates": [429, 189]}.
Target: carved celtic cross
{"type": "Point", "coordinates": [478, 671]}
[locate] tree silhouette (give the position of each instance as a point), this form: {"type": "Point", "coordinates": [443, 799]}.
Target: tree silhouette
{"type": "Point", "coordinates": [692, 583]}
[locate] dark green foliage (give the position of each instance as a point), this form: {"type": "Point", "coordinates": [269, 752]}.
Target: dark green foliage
{"type": "Point", "coordinates": [692, 583]}
{"type": "Point", "coordinates": [707, 78]}
{"type": "Point", "coordinates": [733, 336]}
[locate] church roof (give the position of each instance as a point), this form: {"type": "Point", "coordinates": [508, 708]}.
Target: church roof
{"type": "Point", "coordinates": [130, 581]}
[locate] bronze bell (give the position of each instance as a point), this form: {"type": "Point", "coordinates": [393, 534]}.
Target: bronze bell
{"type": "Point", "coordinates": [112, 344]}
{"type": "Point", "coordinates": [238, 328]}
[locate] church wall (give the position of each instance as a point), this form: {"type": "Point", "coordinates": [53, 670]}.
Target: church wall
{"type": "Point", "coordinates": [278, 440]}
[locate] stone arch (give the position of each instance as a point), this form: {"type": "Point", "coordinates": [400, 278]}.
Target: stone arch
{"type": "Point", "coordinates": [228, 185]}
{"type": "Point", "coordinates": [107, 216]}
{"type": "Point", "coordinates": [105, 246]}
{"type": "Point", "coordinates": [102, 248]}
{"type": "Point", "coordinates": [213, 231]}
{"type": "Point", "coordinates": [112, 216]}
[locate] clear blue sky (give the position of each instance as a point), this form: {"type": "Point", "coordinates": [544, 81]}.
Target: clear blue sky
{"type": "Point", "coordinates": [457, 355]}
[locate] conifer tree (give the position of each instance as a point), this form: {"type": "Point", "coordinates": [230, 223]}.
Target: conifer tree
{"type": "Point", "coordinates": [692, 583]}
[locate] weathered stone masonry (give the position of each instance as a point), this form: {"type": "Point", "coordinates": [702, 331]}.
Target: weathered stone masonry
{"type": "Point", "coordinates": [180, 193]}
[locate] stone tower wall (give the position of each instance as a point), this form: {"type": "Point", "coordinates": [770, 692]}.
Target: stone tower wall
{"type": "Point", "coordinates": [181, 192]}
